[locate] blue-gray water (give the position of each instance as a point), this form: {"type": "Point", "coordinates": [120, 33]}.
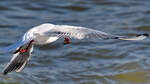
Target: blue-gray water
{"type": "Point", "coordinates": [81, 62]}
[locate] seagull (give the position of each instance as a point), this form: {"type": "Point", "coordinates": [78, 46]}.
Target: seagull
{"type": "Point", "coordinates": [48, 33]}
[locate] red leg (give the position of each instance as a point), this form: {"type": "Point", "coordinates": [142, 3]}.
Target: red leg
{"type": "Point", "coordinates": [67, 41]}
{"type": "Point", "coordinates": [24, 49]}
{"type": "Point", "coordinates": [18, 50]}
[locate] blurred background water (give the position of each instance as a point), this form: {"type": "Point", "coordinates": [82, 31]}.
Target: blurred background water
{"type": "Point", "coordinates": [81, 62]}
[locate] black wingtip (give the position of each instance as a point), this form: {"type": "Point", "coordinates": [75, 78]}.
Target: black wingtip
{"type": "Point", "coordinates": [145, 34]}
{"type": "Point", "coordinates": [5, 73]}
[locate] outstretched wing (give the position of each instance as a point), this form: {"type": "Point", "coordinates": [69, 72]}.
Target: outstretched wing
{"type": "Point", "coordinates": [18, 61]}
{"type": "Point", "coordinates": [82, 32]}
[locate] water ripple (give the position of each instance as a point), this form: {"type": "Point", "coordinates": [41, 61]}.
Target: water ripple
{"type": "Point", "coordinates": [81, 62]}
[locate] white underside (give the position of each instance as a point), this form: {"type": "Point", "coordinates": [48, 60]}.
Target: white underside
{"type": "Point", "coordinates": [51, 39]}
{"type": "Point", "coordinates": [134, 38]}
{"type": "Point", "coordinates": [45, 40]}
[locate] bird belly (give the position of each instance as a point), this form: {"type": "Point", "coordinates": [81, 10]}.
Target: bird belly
{"type": "Point", "coordinates": [51, 39]}
{"type": "Point", "coordinates": [45, 40]}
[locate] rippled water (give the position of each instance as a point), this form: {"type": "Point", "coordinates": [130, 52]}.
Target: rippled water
{"type": "Point", "coordinates": [81, 62]}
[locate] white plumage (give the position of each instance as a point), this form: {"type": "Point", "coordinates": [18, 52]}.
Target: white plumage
{"type": "Point", "coordinates": [48, 33]}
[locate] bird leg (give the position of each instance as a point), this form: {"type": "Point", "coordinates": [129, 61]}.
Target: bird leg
{"type": "Point", "coordinates": [29, 44]}
{"type": "Point", "coordinates": [24, 49]}
{"type": "Point", "coordinates": [66, 41]}
{"type": "Point", "coordinates": [18, 50]}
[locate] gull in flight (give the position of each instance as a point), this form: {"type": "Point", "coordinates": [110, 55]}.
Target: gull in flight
{"type": "Point", "coordinates": [48, 33]}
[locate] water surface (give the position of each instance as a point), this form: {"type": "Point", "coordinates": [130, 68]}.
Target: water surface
{"type": "Point", "coordinates": [81, 62]}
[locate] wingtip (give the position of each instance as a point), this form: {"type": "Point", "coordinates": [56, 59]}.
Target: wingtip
{"type": "Point", "coordinates": [5, 73]}
{"type": "Point", "coordinates": [145, 34]}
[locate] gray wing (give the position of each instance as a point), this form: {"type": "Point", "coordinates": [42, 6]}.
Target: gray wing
{"type": "Point", "coordinates": [82, 33]}
{"type": "Point", "coordinates": [18, 61]}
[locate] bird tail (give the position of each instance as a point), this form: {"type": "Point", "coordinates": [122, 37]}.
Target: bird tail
{"type": "Point", "coordinates": [138, 37]}
{"type": "Point", "coordinates": [18, 61]}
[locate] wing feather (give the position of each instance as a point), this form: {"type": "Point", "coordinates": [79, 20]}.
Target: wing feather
{"type": "Point", "coordinates": [76, 32]}
{"type": "Point", "coordinates": [18, 61]}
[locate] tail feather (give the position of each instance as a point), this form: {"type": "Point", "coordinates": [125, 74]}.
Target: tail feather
{"type": "Point", "coordinates": [18, 61]}
{"type": "Point", "coordinates": [138, 37]}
